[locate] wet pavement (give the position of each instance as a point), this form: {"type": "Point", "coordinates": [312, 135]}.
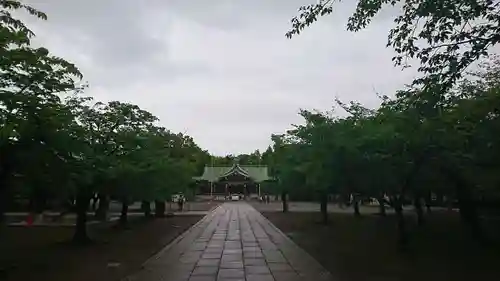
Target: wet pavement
{"type": "Point", "coordinates": [234, 242]}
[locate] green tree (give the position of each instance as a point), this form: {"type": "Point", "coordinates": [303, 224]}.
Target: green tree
{"type": "Point", "coordinates": [408, 149]}
{"type": "Point", "coordinates": [31, 115]}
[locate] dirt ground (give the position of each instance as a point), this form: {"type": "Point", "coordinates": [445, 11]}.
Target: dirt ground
{"type": "Point", "coordinates": [365, 249]}
{"type": "Point", "coordinates": [44, 253]}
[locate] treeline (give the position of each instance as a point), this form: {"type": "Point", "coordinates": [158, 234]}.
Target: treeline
{"type": "Point", "coordinates": [435, 141]}
{"type": "Point", "coordinates": [58, 147]}
{"type": "Point", "coordinates": [411, 150]}
{"type": "Point", "coordinates": [254, 159]}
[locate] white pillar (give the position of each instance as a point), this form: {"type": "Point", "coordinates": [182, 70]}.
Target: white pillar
{"type": "Point", "coordinates": [259, 189]}
{"type": "Point", "coordinates": [211, 189]}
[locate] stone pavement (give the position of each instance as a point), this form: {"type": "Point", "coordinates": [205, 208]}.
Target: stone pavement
{"type": "Point", "coordinates": [234, 242]}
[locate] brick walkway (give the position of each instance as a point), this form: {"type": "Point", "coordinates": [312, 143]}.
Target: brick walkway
{"type": "Point", "coordinates": [234, 242]}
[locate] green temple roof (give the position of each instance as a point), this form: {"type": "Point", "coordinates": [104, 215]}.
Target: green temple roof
{"type": "Point", "coordinates": [214, 173]}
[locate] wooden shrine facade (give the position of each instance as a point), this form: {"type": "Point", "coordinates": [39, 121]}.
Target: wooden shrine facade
{"type": "Point", "coordinates": [236, 179]}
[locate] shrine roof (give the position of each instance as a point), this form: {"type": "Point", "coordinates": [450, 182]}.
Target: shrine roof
{"type": "Point", "coordinates": [214, 173]}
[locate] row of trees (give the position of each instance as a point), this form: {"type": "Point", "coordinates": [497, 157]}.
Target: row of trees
{"type": "Point", "coordinates": [405, 150]}
{"type": "Point", "coordinates": [58, 146]}
{"type": "Point", "coordinates": [437, 137]}
{"type": "Point", "coordinates": [255, 158]}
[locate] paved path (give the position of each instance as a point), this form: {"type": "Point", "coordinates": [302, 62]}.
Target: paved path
{"type": "Point", "coordinates": [234, 242]}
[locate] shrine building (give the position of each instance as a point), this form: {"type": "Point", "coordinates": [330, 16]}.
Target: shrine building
{"type": "Point", "coordinates": [235, 179]}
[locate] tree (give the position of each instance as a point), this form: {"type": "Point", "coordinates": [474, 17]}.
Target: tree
{"type": "Point", "coordinates": [31, 115]}
{"type": "Point", "coordinates": [444, 36]}
{"type": "Point", "coordinates": [58, 145]}
{"type": "Point", "coordinates": [113, 129]}
{"type": "Point", "coordinates": [286, 166]}
{"type": "Point", "coordinates": [407, 150]}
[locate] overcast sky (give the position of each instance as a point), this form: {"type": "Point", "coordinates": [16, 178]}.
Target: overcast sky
{"type": "Point", "coordinates": [221, 71]}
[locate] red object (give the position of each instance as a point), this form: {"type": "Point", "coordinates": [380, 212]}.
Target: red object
{"type": "Point", "coordinates": [29, 220]}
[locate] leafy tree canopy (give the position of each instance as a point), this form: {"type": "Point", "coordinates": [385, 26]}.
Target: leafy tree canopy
{"type": "Point", "coordinates": [444, 36]}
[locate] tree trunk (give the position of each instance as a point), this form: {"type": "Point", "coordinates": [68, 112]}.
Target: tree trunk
{"type": "Point", "coordinates": [467, 204]}
{"type": "Point", "coordinates": [284, 201]}
{"type": "Point", "coordinates": [417, 202]}
{"type": "Point", "coordinates": [381, 202]}
{"type": "Point", "coordinates": [82, 204]}
{"type": "Point", "coordinates": [124, 213]}
{"type": "Point", "coordinates": [37, 202]}
{"type": "Point", "coordinates": [146, 208]}
{"type": "Point", "coordinates": [3, 201]}
{"type": "Point", "coordinates": [103, 207]}
{"type": "Point", "coordinates": [94, 203]}
{"type": "Point", "coordinates": [440, 200]}
{"type": "Point", "coordinates": [356, 206]}
{"type": "Point", "coordinates": [468, 210]}
{"type": "Point", "coordinates": [4, 191]}
{"type": "Point", "coordinates": [324, 207]}
{"type": "Point", "coordinates": [159, 208]}
{"type": "Point", "coordinates": [402, 234]}
{"type": "Point", "coordinates": [428, 202]}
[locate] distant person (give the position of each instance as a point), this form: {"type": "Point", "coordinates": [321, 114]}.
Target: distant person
{"type": "Point", "coordinates": [180, 202]}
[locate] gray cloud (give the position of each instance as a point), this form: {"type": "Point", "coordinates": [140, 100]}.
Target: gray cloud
{"type": "Point", "coordinates": [222, 70]}
{"type": "Point", "coordinates": [114, 32]}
